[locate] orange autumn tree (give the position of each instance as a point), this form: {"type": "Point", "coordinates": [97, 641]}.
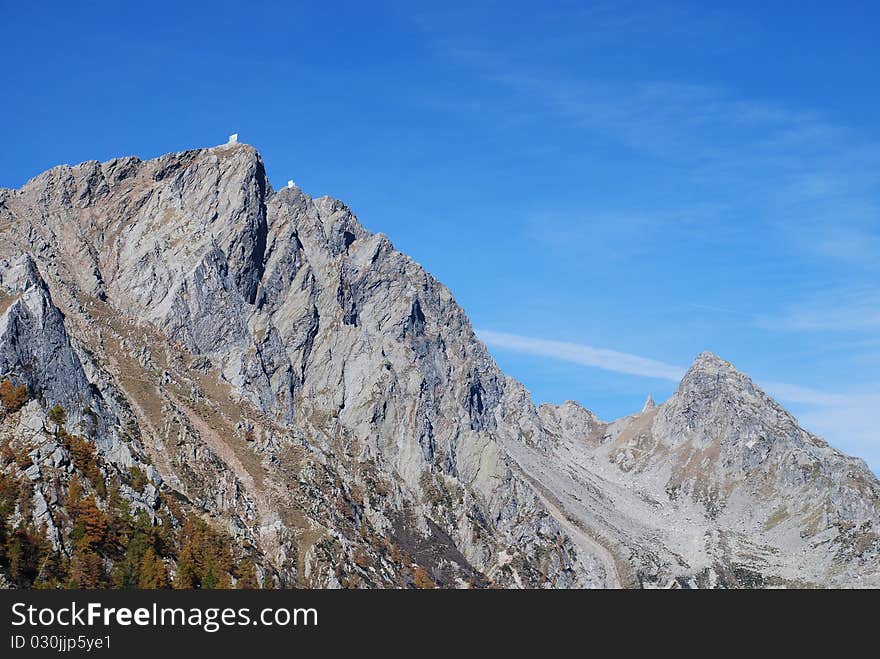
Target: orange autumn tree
{"type": "Point", "coordinates": [13, 398]}
{"type": "Point", "coordinates": [205, 559]}
{"type": "Point", "coordinates": [90, 529]}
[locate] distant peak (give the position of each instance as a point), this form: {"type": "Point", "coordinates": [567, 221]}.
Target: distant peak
{"type": "Point", "coordinates": [710, 374]}
{"type": "Point", "coordinates": [710, 359]}
{"type": "Point", "coordinates": [649, 404]}
{"type": "Point", "coordinates": [709, 363]}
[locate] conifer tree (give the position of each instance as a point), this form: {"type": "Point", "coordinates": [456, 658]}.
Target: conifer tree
{"type": "Point", "coordinates": [58, 417]}
{"type": "Point", "coordinates": [153, 573]}
{"type": "Point", "coordinates": [247, 575]}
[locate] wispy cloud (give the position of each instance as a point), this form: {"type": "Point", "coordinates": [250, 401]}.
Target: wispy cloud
{"type": "Point", "coordinates": [584, 355]}
{"type": "Point", "coordinates": [622, 362]}
{"type": "Point", "coordinates": [839, 311]}
{"type": "Point", "coordinates": [796, 394]}
{"type": "Point", "coordinates": [796, 171]}
{"type": "Point", "coordinates": [807, 180]}
{"type": "Point", "coordinates": [623, 231]}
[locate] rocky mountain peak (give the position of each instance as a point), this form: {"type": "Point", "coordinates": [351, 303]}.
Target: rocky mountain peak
{"type": "Point", "coordinates": [711, 377]}
{"type": "Point", "coordinates": [711, 400]}
{"type": "Point", "coordinates": [263, 358]}
{"type": "Point", "coordinates": [709, 363]}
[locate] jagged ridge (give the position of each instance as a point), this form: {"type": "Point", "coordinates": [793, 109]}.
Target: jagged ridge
{"type": "Point", "coordinates": [318, 395]}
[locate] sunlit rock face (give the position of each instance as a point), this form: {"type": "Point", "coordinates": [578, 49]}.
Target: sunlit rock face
{"type": "Point", "coordinates": [315, 393]}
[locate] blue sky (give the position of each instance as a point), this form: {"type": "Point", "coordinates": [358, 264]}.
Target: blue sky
{"type": "Point", "coordinates": [607, 188]}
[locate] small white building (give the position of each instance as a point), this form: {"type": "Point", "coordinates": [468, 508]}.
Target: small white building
{"type": "Point", "coordinates": [233, 139]}
{"type": "Point", "coordinates": [290, 184]}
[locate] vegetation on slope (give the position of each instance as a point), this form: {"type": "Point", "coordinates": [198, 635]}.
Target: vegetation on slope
{"type": "Point", "coordinates": [104, 542]}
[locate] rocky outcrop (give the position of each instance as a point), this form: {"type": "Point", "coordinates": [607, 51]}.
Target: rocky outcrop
{"type": "Point", "coordinates": [718, 486]}
{"type": "Point", "coordinates": [319, 396]}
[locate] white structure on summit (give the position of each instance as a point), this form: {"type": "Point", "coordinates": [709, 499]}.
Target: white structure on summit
{"type": "Point", "coordinates": [233, 139]}
{"type": "Point", "coordinates": [290, 184]}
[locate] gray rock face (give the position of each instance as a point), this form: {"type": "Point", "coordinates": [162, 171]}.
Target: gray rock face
{"type": "Point", "coordinates": [718, 486]}
{"type": "Point", "coordinates": [325, 399]}
{"type": "Point", "coordinates": [34, 346]}
{"type": "Point", "coordinates": [35, 349]}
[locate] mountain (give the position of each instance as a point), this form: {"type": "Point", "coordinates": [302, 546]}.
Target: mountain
{"type": "Point", "coordinates": [212, 383]}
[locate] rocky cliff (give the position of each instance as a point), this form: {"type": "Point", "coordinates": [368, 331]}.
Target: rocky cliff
{"type": "Point", "coordinates": [267, 367]}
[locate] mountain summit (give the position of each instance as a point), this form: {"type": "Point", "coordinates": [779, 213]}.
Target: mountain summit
{"type": "Point", "coordinates": [195, 364]}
